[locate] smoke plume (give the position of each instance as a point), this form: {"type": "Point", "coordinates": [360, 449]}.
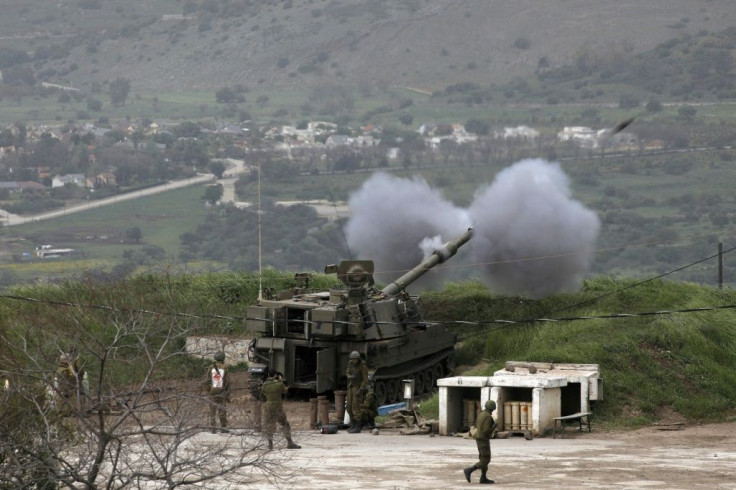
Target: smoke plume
{"type": "Point", "coordinates": [392, 217]}
{"type": "Point", "coordinates": [531, 238]}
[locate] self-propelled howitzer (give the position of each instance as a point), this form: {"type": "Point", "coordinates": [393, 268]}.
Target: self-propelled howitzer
{"type": "Point", "coordinates": [308, 335]}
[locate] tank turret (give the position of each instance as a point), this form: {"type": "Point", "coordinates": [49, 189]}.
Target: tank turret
{"type": "Point", "coordinates": [308, 335]}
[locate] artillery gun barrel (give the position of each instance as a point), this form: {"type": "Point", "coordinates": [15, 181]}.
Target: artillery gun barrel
{"type": "Point", "coordinates": [437, 257]}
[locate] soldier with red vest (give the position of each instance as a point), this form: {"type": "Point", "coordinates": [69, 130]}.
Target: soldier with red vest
{"type": "Point", "coordinates": [218, 392]}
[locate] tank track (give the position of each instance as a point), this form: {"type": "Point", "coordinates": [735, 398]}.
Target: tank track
{"type": "Point", "coordinates": [389, 383]}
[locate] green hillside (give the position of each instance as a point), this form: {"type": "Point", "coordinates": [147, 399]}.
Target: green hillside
{"type": "Point", "coordinates": [353, 58]}
{"type": "Point", "coordinates": [680, 362]}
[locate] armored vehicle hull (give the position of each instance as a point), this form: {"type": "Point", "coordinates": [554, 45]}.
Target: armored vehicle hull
{"type": "Point", "coordinates": [308, 335]}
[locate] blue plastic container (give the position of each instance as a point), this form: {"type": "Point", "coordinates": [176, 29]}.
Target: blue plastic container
{"type": "Point", "coordinates": [385, 409]}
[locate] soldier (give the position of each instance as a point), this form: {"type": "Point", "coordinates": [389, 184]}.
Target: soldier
{"type": "Point", "coordinates": [484, 425]}
{"type": "Point", "coordinates": [369, 409]}
{"type": "Point", "coordinates": [70, 385]}
{"type": "Point", "coordinates": [218, 391]}
{"type": "Point", "coordinates": [357, 374]}
{"type": "Point", "coordinates": [273, 411]}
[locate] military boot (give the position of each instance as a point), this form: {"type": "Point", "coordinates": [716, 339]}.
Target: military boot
{"type": "Point", "coordinates": [356, 428]}
{"type": "Point", "coordinates": [270, 444]}
{"type": "Point", "coordinates": [484, 479]}
{"type": "Point", "coordinates": [468, 471]}
{"type": "Point", "coordinates": [292, 445]}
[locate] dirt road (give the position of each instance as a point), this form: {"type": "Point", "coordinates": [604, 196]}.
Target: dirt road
{"type": "Point", "coordinates": [693, 457]}
{"type": "Point", "coordinates": [696, 456]}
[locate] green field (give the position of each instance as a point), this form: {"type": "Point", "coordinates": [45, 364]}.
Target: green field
{"type": "Point", "coordinates": [286, 106]}
{"type": "Point", "coordinates": [97, 233]}
{"type": "Point", "coordinates": [653, 218]}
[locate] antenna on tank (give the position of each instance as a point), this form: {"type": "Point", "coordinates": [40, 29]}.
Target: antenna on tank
{"type": "Point", "coordinates": [260, 269]}
{"type": "Point", "coordinates": [339, 222]}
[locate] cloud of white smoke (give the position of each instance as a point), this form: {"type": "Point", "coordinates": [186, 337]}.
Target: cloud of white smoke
{"type": "Point", "coordinates": [392, 216]}
{"type": "Point", "coordinates": [530, 237]}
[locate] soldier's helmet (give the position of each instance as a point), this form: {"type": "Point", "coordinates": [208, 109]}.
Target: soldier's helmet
{"type": "Point", "coordinates": [355, 355]}
{"type": "Point", "coordinates": [490, 405]}
{"type": "Point", "coordinates": [220, 356]}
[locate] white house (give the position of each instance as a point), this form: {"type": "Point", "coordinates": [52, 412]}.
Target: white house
{"type": "Point", "coordinates": [76, 179]}
{"type": "Point", "coordinates": [520, 132]}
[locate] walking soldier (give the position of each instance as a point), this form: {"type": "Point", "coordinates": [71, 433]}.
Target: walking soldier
{"type": "Point", "coordinates": [484, 425]}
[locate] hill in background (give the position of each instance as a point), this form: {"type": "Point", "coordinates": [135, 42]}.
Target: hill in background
{"type": "Point", "coordinates": [168, 45]}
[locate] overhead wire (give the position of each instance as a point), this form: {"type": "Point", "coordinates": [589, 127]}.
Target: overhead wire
{"type": "Point", "coordinates": [611, 293]}
{"type": "Point", "coordinates": [457, 322]}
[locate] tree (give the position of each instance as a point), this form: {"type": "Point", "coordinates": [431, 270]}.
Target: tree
{"type": "Point", "coordinates": [12, 56]}
{"type": "Point", "coordinates": [225, 95]}
{"type": "Point", "coordinates": [406, 119]}
{"type": "Point", "coordinates": [213, 193]}
{"type": "Point", "coordinates": [191, 152]}
{"type": "Point", "coordinates": [94, 105]}
{"type": "Point", "coordinates": [687, 113]}
{"type": "Point", "coordinates": [119, 90]}
{"type": "Point", "coordinates": [134, 233]}
{"type": "Point", "coordinates": [477, 126]}
{"type": "Point", "coordinates": [125, 427]}
{"type": "Point", "coordinates": [19, 75]}
{"type": "Point", "coordinates": [6, 138]}
{"type": "Point", "coordinates": [217, 168]}
{"type": "Point", "coordinates": [187, 129]}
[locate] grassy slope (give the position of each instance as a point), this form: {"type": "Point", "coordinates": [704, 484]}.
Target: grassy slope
{"type": "Point", "coordinates": [650, 364]}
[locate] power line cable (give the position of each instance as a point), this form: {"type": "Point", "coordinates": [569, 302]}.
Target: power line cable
{"type": "Point", "coordinates": [597, 298]}
{"type": "Point", "coordinates": [509, 323]}
{"type": "Point", "coordinates": [457, 322]}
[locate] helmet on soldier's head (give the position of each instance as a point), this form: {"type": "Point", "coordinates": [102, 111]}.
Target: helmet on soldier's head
{"type": "Point", "coordinates": [490, 405]}
{"type": "Point", "coordinates": [355, 355]}
{"type": "Point", "coordinates": [220, 356]}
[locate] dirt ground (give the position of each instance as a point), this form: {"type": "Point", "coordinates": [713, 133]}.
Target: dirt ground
{"type": "Point", "coordinates": [701, 456]}
{"type": "Point", "coordinates": [666, 457]}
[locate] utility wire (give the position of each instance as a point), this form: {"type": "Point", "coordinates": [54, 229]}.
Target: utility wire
{"type": "Point", "coordinates": [428, 322]}
{"type": "Point", "coordinates": [456, 322]}
{"type": "Point", "coordinates": [475, 265]}
{"type": "Point", "coordinates": [119, 309]}
{"type": "Point", "coordinates": [507, 323]}
{"type": "Point", "coordinates": [597, 298]}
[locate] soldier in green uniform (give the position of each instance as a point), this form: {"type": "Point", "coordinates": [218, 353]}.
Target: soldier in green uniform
{"type": "Point", "coordinates": [357, 374]}
{"type": "Point", "coordinates": [484, 425]}
{"type": "Point", "coordinates": [273, 411]}
{"type": "Point", "coordinates": [70, 385]}
{"type": "Point", "coordinates": [369, 409]}
{"type": "Point", "coordinates": [218, 392]}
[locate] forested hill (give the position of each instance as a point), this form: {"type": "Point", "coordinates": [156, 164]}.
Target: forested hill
{"type": "Point", "coordinates": [170, 45]}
